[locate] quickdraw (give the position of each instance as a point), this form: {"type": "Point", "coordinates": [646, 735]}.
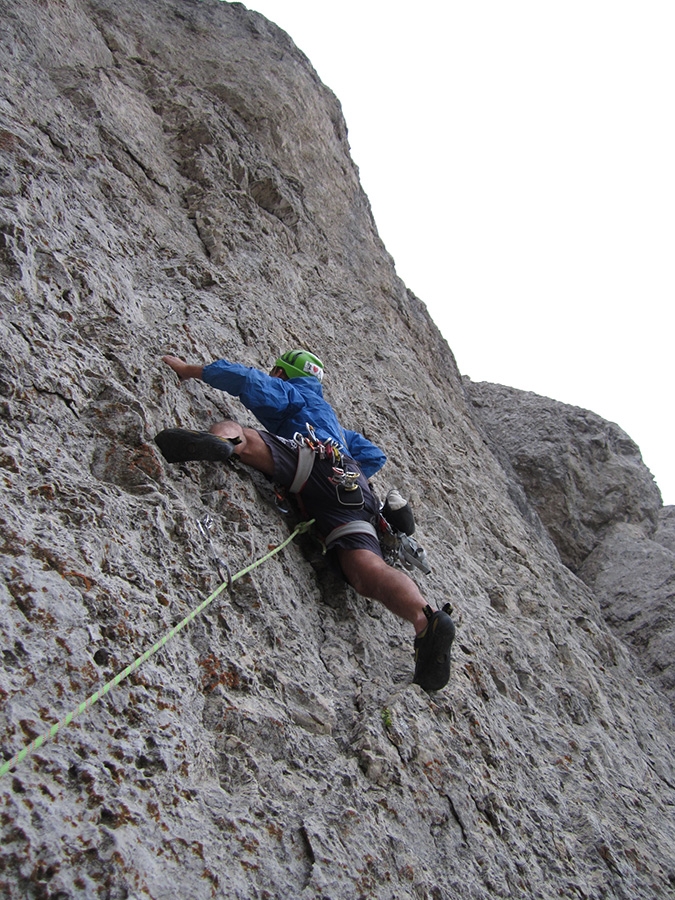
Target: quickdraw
{"type": "Point", "coordinates": [328, 449]}
{"type": "Point", "coordinates": [205, 524]}
{"type": "Point", "coordinates": [311, 448]}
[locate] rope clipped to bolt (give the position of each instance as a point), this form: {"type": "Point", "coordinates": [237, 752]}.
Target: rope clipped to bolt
{"type": "Point", "coordinates": [97, 695]}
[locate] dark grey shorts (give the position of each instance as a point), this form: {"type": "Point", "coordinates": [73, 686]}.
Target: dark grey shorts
{"type": "Point", "coordinates": [319, 497]}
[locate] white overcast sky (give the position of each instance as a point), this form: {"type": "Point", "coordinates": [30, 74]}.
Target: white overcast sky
{"type": "Point", "coordinates": [519, 158]}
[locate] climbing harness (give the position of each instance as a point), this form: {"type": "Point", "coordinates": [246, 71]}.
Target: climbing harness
{"type": "Point", "coordinates": [97, 695]}
{"type": "Point", "coordinates": [356, 527]}
{"type": "Point", "coordinates": [392, 527]}
{"type": "Point", "coordinates": [346, 480]}
{"type": "Point", "coordinates": [306, 459]}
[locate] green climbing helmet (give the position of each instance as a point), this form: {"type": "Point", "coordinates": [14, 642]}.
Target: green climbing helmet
{"type": "Point", "coordinates": [297, 363]}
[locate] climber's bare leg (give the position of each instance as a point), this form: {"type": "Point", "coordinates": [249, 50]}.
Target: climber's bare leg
{"type": "Point", "coordinates": [370, 576]}
{"type": "Point", "coordinates": [252, 449]}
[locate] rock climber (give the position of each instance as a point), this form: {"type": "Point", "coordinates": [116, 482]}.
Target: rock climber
{"type": "Point", "coordinates": [305, 450]}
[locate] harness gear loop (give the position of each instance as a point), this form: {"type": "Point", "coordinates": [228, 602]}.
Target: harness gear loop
{"type": "Point", "coordinates": [310, 446]}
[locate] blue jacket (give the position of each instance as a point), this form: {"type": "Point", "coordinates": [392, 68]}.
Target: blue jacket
{"type": "Point", "coordinates": [285, 407]}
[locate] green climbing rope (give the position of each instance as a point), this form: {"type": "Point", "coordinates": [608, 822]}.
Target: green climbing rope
{"type": "Point", "coordinates": [97, 695]}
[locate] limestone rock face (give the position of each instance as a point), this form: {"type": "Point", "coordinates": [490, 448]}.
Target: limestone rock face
{"type": "Point", "coordinates": [582, 473]}
{"type": "Point", "coordinates": [633, 577]}
{"type": "Point", "coordinates": [175, 178]}
{"type": "Point", "coordinates": [601, 507]}
{"type": "Point", "coordinates": [665, 533]}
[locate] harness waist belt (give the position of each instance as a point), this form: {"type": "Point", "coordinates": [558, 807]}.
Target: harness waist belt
{"type": "Point", "coordinates": [356, 527]}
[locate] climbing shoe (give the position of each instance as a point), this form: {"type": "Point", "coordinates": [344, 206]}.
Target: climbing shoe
{"type": "Point", "coordinates": [181, 445]}
{"type": "Point", "coordinates": [432, 650]}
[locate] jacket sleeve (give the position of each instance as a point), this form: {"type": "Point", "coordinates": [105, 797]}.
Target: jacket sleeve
{"type": "Point", "coordinates": [368, 455]}
{"type": "Point", "coordinates": [271, 400]}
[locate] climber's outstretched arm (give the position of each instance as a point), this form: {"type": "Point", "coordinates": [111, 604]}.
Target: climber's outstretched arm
{"type": "Point", "coordinates": [182, 369]}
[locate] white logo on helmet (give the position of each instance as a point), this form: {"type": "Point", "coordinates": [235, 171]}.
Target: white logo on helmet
{"type": "Point", "coordinates": [312, 369]}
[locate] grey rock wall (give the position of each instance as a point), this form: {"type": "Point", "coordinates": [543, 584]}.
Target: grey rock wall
{"type": "Point", "coordinates": [601, 507]}
{"type": "Point", "coordinates": [634, 579]}
{"type": "Point", "coordinates": [174, 177]}
{"type": "Point", "coordinates": [582, 473]}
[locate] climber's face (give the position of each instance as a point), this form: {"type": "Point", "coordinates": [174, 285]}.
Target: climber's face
{"type": "Point", "coordinates": [278, 372]}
